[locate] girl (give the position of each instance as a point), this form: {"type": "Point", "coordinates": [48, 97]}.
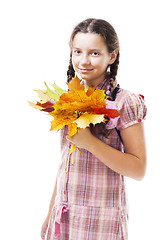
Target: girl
{"type": "Point", "coordinates": [90, 201]}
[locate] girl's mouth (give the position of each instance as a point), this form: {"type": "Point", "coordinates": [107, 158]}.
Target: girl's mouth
{"type": "Point", "coordinates": [85, 70]}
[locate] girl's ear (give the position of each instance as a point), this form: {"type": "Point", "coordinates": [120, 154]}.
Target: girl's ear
{"type": "Point", "coordinates": [113, 57]}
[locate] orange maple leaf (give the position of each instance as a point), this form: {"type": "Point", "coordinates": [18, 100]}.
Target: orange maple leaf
{"type": "Point", "coordinates": [90, 91]}
{"type": "Point", "coordinates": [75, 84]}
{"type": "Point", "coordinates": [79, 101]}
{"type": "Point", "coordinates": [60, 121]}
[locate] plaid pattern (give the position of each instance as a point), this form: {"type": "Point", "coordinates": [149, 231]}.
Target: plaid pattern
{"type": "Point", "coordinates": [84, 222]}
{"type": "Point", "coordinates": [95, 194]}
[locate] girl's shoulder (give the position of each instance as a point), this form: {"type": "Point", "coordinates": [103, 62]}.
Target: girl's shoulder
{"type": "Point", "coordinates": [132, 108]}
{"type": "Point", "coordinates": [123, 93]}
{"type": "Point", "coordinates": [125, 96]}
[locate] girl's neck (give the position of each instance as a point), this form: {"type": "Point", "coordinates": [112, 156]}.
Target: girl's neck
{"type": "Point", "coordinates": [108, 84]}
{"type": "Point", "coordinates": [94, 83]}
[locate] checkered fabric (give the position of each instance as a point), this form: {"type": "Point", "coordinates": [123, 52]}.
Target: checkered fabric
{"type": "Point", "coordinates": [94, 194]}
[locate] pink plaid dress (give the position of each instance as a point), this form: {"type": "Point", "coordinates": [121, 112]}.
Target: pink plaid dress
{"type": "Point", "coordinates": [91, 199]}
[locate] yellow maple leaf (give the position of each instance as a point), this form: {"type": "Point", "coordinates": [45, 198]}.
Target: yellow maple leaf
{"type": "Point", "coordinates": [98, 96]}
{"type": "Point", "coordinates": [57, 124]}
{"type": "Point", "coordinates": [85, 119]}
{"type": "Point", "coordinates": [72, 129]}
{"type": "Point", "coordinates": [42, 95]}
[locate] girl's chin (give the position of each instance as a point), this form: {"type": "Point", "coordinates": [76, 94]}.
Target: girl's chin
{"type": "Point", "coordinates": [84, 77]}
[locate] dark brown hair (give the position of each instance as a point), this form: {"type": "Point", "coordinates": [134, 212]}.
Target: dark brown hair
{"type": "Point", "coordinates": [105, 30]}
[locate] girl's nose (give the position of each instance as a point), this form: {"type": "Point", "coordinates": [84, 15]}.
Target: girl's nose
{"type": "Point", "coordinates": [85, 60]}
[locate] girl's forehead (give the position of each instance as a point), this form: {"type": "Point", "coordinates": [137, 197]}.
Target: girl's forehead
{"type": "Point", "coordinates": [90, 40]}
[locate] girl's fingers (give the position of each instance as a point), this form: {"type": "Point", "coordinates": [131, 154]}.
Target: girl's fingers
{"type": "Point", "coordinates": [43, 231]}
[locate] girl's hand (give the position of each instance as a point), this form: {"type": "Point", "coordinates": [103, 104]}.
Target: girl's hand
{"type": "Point", "coordinates": [44, 228]}
{"type": "Point", "coordinates": [82, 138]}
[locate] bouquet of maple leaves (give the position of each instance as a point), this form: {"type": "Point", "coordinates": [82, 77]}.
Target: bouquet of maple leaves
{"type": "Point", "coordinates": [78, 107]}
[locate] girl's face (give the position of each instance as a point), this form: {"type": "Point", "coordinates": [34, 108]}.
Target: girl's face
{"type": "Point", "coordinates": [90, 57]}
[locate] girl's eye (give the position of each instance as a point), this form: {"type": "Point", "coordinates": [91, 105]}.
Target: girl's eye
{"type": "Point", "coordinates": [77, 52]}
{"type": "Point", "coordinates": [95, 54]}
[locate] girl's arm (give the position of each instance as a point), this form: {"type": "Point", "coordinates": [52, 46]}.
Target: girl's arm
{"type": "Point", "coordinates": [45, 224]}
{"type": "Point", "coordinates": [52, 200]}
{"type": "Point", "coordinates": [132, 163]}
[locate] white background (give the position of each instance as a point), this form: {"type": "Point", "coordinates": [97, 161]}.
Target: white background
{"type": "Point", "coordinates": [34, 36]}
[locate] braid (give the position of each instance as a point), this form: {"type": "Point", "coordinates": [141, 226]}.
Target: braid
{"type": "Point", "coordinates": [100, 128]}
{"type": "Point", "coordinates": [70, 71]}
{"type": "Point", "coordinates": [114, 68]}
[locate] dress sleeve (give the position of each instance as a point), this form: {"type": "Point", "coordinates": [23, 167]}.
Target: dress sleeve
{"type": "Point", "coordinates": [132, 109]}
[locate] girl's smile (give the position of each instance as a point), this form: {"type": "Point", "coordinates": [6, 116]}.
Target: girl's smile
{"type": "Point", "coordinates": [90, 57]}
{"type": "Point", "coordinates": [85, 70]}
